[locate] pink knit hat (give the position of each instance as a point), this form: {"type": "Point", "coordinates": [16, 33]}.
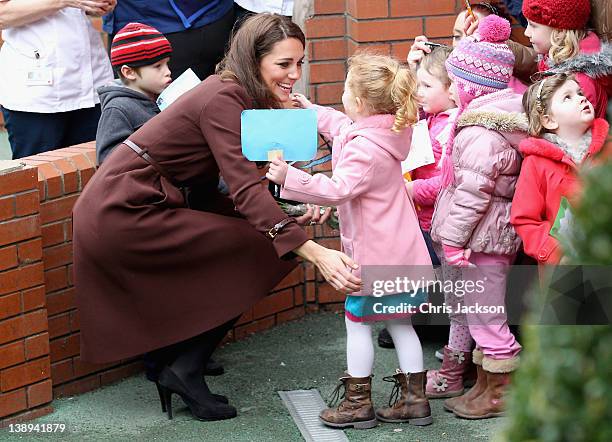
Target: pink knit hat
{"type": "Point", "coordinates": [560, 14]}
{"type": "Point", "coordinates": [483, 64]}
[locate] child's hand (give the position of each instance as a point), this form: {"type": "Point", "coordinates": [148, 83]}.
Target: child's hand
{"type": "Point", "coordinates": [300, 101]}
{"type": "Point", "coordinates": [417, 52]}
{"type": "Point", "coordinates": [277, 172]}
{"type": "Point", "coordinates": [456, 256]}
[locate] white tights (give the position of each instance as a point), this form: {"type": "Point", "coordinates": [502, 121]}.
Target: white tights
{"type": "Point", "coordinates": [360, 347]}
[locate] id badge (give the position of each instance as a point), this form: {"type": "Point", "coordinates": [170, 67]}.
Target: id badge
{"type": "Point", "coordinates": [39, 76]}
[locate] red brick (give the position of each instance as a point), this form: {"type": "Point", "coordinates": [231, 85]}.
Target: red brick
{"type": "Point", "coordinates": [327, 72]}
{"type": "Point", "coordinates": [330, 93]}
{"type": "Point", "coordinates": [68, 229]}
{"type": "Point", "coordinates": [326, 294]}
{"type": "Point", "coordinates": [327, 231]}
{"type": "Point", "coordinates": [329, 7]}
{"type": "Point", "coordinates": [311, 292]}
{"type": "Point", "coordinates": [319, 27]}
{"type": "Point", "coordinates": [274, 303]}
{"type": "Point", "coordinates": [310, 271]}
{"type": "Point", "coordinates": [25, 374]}
{"type": "Point", "coordinates": [439, 26]}
{"type": "Point", "coordinates": [298, 295]}
{"type": "Point", "coordinates": [290, 315]}
{"type": "Point", "coordinates": [59, 325]}
{"type": "Point", "coordinates": [7, 207]}
{"type": "Point", "coordinates": [13, 402]}
{"type": "Point", "coordinates": [400, 50]}
{"type": "Point", "coordinates": [37, 346]}
{"type": "Point", "coordinates": [56, 279]}
{"type": "Point", "coordinates": [41, 393]}
{"type": "Point", "coordinates": [21, 278]}
{"type": "Point", "coordinates": [367, 8]}
{"type": "Point", "coordinates": [30, 251]}
{"type": "Point", "coordinates": [85, 168]}
{"type": "Point", "coordinates": [292, 279]}
{"type": "Point", "coordinates": [52, 179]}
{"type": "Point", "coordinates": [70, 178]}
{"type": "Point", "coordinates": [77, 387]}
{"type": "Point", "coordinates": [60, 302]}
{"type": "Point", "coordinates": [254, 327]}
{"type": "Point", "coordinates": [82, 368]}
{"type": "Point", "coordinates": [62, 371]}
{"type": "Point", "coordinates": [125, 371]}
{"type": "Point", "coordinates": [384, 30]}
{"type": "Point", "coordinates": [18, 181]}
{"type": "Point", "coordinates": [407, 8]}
{"type": "Point", "coordinates": [53, 234]}
{"type": "Point", "coordinates": [330, 243]}
{"type": "Point", "coordinates": [57, 209]}
{"type": "Point", "coordinates": [12, 354]}
{"type": "Point", "coordinates": [57, 256]}
{"type": "Point", "coordinates": [8, 257]}
{"type": "Point", "coordinates": [26, 416]}
{"type": "Point", "coordinates": [65, 347]}
{"type": "Point", "coordinates": [75, 324]}
{"type": "Point", "coordinates": [27, 203]}
{"type": "Point", "coordinates": [33, 298]}
{"type": "Point", "coordinates": [246, 317]}
{"type": "Point", "coordinates": [10, 305]}
{"type": "Point", "coordinates": [19, 229]}
{"type": "Point", "coordinates": [312, 308]}
{"type": "Point", "coordinates": [328, 50]}
{"type": "Point", "coordinates": [23, 325]}
{"type": "Point", "coordinates": [370, 48]}
{"type": "Point", "coordinates": [71, 275]}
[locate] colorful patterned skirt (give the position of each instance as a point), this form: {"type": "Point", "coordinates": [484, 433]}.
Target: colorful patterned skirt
{"type": "Point", "coordinates": [384, 308]}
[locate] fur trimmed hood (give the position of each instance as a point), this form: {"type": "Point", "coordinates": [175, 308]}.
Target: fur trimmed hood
{"type": "Point", "coordinates": [544, 148]}
{"type": "Point", "coordinates": [595, 65]}
{"type": "Point", "coordinates": [497, 121]}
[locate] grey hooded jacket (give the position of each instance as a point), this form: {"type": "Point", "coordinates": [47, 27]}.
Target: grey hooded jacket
{"type": "Point", "coordinates": [123, 112]}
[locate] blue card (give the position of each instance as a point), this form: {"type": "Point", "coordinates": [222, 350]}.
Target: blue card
{"type": "Point", "coordinates": [270, 132]}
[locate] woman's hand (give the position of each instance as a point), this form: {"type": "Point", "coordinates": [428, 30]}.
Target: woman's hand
{"type": "Point", "coordinates": [277, 172]}
{"type": "Point", "coordinates": [417, 52]}
{"type": "Point", "coordinates": [314, 215]}
{"type": "Point", "coordinates": [93, 7]}
{"type": "Point", "coordinates": [301, 101]}
{"type": "Point", "coordinates": [335, 266]}
{"type": "Point", "coordinates": [470, 25]}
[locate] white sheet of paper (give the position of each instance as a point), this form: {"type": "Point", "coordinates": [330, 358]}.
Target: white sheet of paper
{"type": "Point", "coordinates": [185, 82]}
{"type": "Point", "coordinates": [421, 151]}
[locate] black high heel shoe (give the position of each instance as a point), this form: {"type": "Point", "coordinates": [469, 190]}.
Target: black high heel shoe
{"type": "Point", "coordinates": [208, 410]}
{"type": "Point", "coordinates": [217, 397]}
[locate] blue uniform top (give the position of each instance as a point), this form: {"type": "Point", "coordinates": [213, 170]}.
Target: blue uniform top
{"type": "Point", "coordinates": [166, 16]}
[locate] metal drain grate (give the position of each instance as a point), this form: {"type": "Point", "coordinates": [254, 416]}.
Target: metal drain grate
{"type": "Point", "coordinates": [305, 406]}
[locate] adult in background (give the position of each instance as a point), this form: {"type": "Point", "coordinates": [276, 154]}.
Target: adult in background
{"type": "Point", "coordinates": [153, 275]}
{"type": "Point", "coordinates": [198, 30]}
{"type": "Point", "coordinates": [245, 8]}
{"type": "Point", "coordinates": [51, 63]}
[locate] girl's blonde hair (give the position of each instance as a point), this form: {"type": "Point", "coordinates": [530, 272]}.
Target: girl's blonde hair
{"type": "Point", "coordinates": [385, 87]}
{"type": "Point", "coordinates": [538, 98]}
{"type": "Point", "coordinates": [565, 44]}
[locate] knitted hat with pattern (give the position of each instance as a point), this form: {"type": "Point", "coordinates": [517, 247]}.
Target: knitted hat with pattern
{"type": "Point", "coordinates": [559, 14]}
{"type": "Point", "coordinates": [138, 45]}
{"type": "Point", "coordinates": [483, 64]}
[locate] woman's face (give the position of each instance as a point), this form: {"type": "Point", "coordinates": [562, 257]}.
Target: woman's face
{"type": "Point", "coordinates": [282, 67]}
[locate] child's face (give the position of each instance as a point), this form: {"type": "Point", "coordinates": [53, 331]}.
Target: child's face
{"type": "Point", "coordinates": [539, 35]}
{"type": "Point", "coordinates": [433, 95]}
{"type": "Point", "coordinates": [569, 110]}
{"type": "Point", "coordinates": [154, 78]}
{"type": "Point", "coordinates": [282, 67]}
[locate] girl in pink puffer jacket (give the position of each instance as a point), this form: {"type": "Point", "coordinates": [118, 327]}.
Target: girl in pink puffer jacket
{"type": "Point", "coordinates": [472, 213]}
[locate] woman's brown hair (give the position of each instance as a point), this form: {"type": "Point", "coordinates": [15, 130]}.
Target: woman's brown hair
{"type": "Point", "coordinates": [253, 41]}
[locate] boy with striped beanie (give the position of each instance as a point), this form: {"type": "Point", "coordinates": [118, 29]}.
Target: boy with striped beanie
{"type": "Point", "coordinates": [139, 55]}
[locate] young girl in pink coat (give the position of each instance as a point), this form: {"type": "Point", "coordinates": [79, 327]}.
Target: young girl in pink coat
{"type": "Point", "coordinates": [378, 226]}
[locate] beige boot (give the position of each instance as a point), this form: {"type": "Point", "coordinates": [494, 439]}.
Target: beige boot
{"type": "Point", "coordinates": [491, 402]}
{"type": "Point", "coordinates": [356, 409]}
{"type": "Point", "coordinates": [476, 390]}
{"type": "Point", "coordinates": [412, 406]}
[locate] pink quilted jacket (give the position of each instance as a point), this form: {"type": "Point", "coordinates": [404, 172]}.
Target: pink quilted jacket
{"type": "Point", "coordinates": [474, 211]}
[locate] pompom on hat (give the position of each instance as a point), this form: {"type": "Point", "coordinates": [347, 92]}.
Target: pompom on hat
{"type": "Point", "coordinates": [137, 45]}
{"type": "Point", "coordinates": [483, 64]}
{"type": "Point", "coordinates": [559, 14]}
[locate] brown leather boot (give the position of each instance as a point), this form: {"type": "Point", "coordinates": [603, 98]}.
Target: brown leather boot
{"type": "Point", "coordinates": [412, 406]}
{"type": "Point", "coordinates": [476, 390]}
{"type": "Point", "coordinates": [491, 402]}
{"type": "Point", "coordinates": [356, 409]}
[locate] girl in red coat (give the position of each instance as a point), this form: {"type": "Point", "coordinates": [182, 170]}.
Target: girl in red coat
{"type": "Point", "coordinates": [565, 136]}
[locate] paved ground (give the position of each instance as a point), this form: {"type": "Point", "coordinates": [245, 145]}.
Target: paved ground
{"type": "Point", "coordinates": [308, 353]}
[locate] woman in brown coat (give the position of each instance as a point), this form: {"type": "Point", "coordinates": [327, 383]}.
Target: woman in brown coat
{"type": "Point", "coordinates": [155, 276]}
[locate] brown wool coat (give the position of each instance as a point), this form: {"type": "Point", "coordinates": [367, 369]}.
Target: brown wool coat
{"type": "Point", "coordinates": [148, 271]}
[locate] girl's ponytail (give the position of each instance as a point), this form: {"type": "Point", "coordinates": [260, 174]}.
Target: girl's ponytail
{"type": "Point", "coordinates": [403, 94]}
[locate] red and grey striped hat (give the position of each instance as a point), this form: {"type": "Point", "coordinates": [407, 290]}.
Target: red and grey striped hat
{"type": "Point", "coordinates": [138, 45]}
